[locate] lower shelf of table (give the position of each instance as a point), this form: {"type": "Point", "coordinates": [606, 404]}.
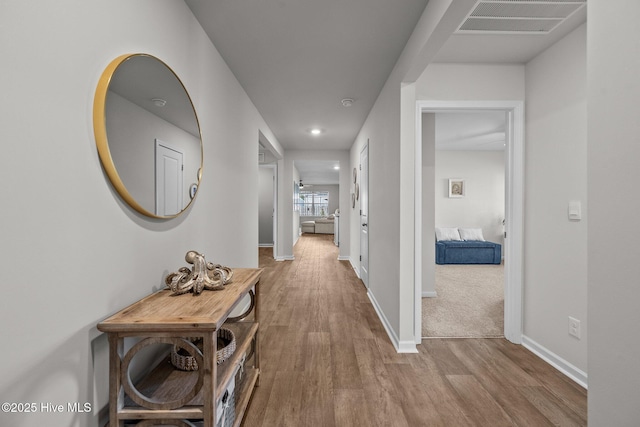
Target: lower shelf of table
{"type": "Point", "coordinates": [243, 393]}
{"type": "Point", "coordinates": [165, 382]}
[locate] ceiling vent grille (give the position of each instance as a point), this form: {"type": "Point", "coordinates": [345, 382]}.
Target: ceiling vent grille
{"type": "Point", "coordinates": [518, 16]}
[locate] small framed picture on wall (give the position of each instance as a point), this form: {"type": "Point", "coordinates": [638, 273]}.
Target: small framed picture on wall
{"type": "Point", "coordinates": [456, 187]}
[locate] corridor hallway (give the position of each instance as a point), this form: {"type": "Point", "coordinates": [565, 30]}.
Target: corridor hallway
{"type": "Point", "coordinates": [327, 361]}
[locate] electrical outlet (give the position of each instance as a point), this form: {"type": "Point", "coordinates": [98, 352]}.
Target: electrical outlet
{"type": "Point", "coordinates": [574, 327]}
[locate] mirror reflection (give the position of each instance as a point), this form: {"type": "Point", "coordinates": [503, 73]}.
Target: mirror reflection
{"type": "Point", "coordinates": [148, 135]}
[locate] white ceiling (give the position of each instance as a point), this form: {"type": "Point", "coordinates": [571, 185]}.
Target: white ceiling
{"type": "Point", "coordinates": [472, 130]}
{"type": "Point", "coordinates": [511, 47]}
{"type": "Point", "coordinates": [318, 172]}
{"type": "Point", "coordinates": [297, 59]}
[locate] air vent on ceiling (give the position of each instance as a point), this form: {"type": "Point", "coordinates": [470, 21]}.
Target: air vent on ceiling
{"type": "Point", "coordinates": [518, 16]}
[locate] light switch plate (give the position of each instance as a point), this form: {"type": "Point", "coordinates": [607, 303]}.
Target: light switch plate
{"type": "Point", "coordinates": [575, 210]}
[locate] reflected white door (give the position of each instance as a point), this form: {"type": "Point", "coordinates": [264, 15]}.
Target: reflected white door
{"type": "Point", "coordinates": [364, 215]}
{"type": "Point", "coordinates": [169, 169]}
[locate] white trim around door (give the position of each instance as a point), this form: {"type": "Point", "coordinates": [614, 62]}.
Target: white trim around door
{"type": "Point", "coordinates": [363, 197]}
{"type": "Point", "coordinates": [274, 244]}
{"type": "Point", "coordinates": [514, 212]}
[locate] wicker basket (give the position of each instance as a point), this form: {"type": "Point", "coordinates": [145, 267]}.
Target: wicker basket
{"type": "Point", "coordinates": [181, 359]}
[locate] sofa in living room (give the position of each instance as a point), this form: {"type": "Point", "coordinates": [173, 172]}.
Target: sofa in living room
{"type": "Point", "coordinates": [319, 226]}
{"type": "Point", "coordinates": [465, 246]}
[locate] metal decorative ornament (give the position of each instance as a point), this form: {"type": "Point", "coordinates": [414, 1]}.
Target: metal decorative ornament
{"type": "Point", "coordinates": [203, 275]}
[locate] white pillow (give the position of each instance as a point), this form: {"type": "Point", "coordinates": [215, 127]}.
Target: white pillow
{"type": "Point", "coordinates": [471, 234]}
{"type": "Point", "coordinates": [447, 234]}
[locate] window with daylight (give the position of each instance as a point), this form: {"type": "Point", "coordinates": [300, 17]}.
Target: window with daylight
{"type": "Point", "coordinates": [313, 203]}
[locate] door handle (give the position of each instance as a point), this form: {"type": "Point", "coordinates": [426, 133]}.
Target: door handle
{"type": "Point", "coordinates": [365, 225]}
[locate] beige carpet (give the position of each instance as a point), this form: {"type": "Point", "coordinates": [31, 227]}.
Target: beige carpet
{"type": "Point", "coordinates": [470, 302]}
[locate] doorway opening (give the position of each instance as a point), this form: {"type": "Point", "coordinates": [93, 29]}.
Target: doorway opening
{"type": "Point", "coordinates": [316, 199]}
{"type": "Point", "coordinates": [268, 160]}
{"type": "Point", "coordinates": [469, 203]}
{"type": "Point", "coordinates": [513, 213]}
{"type": "Point", "coordinates": [267, 203]}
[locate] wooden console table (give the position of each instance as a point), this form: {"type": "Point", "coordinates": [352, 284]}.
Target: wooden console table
{"type": "Point", "coordinates": [170, 396]}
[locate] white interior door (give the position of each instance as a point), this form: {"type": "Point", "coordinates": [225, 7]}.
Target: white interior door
{"type": "Point", "coordinates": [364, 215]}
{"type": "Point", "coordinates": [169, 170]}
{"type": "Point", "coordinates": [275, 211]}
{"type": "Point", "coordinates": [267, 206]}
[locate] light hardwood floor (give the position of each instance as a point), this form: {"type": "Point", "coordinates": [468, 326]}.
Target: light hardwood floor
{"type": "Point", "coordinates": [327, 361]}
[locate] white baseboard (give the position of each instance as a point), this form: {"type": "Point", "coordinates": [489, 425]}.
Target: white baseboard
{"type": "Point", "coordinates": [285, 258]}
{"type": "Point", "coordinates": [407, 347]}
{"type": "Point", "coordinates": [429, 294]}
{"type": "Point", "coordinates": [343, 258]}
{"type": "Point", "coordinates": [356, 269]}
{"type": "Point", "coordinates": [556, 361]}
{"type": "Point", "coordinates": [265, 245]}
{"type": "Point", "coordinates": [400, 346]}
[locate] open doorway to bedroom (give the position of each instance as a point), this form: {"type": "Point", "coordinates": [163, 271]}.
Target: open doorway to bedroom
{"type": "Point", "coordinates": [469, 202]}
{"type": "Point", "coordinates": [425, 185]}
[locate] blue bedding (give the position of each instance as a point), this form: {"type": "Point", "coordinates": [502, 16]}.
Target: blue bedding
{"type": "Point", "coordinates": [468, 252]}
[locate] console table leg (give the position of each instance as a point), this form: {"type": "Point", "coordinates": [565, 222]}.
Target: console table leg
{"type": "Point", "coordinates": [116, 394]}
{"type": "Point", "coordinates": [257, 338]}
{"type": "Point", "coordinates": [209, 348]}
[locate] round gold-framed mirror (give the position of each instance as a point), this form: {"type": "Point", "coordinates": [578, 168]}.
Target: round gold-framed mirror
{"type": "Point", "coordinates": [148, 135]}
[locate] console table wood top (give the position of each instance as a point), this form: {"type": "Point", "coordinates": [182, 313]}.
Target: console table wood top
{"type": "Point", "coordinates": [163, 311]}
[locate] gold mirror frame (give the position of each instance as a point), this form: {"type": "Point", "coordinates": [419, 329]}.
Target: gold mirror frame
{"type": "Point", "coordinates": [102, 141]}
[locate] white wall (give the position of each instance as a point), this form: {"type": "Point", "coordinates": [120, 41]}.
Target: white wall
{"type": "Point", "coordinates": [80, 253]}
{"type": "Point", "coordinates": [483, 203]}
{"type": "Point", "coordinates": [471, 82]}
{"type": "Point", "coordinates": [390, 132]}
{"type": "Point", "coordinates": [380, 130]}
{"type": "Point", "coordinates": [613, 67]}
{"type": "Point", "coordinates": [555, 281]}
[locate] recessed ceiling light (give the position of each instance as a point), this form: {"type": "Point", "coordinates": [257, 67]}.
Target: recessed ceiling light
{"type": "Point", "coordinates": [347, 102]}
{"type": "Point", "coordinates": [316, 131]}
{"type": "Point", "coordinates": [159, 102]}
